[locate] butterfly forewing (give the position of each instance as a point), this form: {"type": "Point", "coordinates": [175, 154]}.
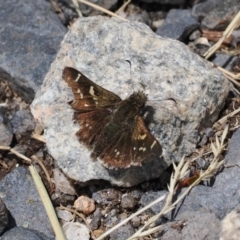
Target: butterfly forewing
{"type": "Point", "coordinates": [87, 94]}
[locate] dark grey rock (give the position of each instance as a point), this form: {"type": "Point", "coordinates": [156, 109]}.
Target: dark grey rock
{"type": "Point", "coordinates": [221, 14]}
{"type": "Point", "coordinates": [89, 11]}
{"type": "Point", "coordinates": [22, 200]}
{"type": "Point", "coordinates": [136, 194]}
{"type": "Point", "coordinates": [106, 196]}
{"type": "Point", "coordinates": [21, 233]}
{"type": "Point", "coordinates": [122, 233]}
{"type": "Point", "coordinates": [22, 122]}
{"type": "Point", "coordinates": [128, 201]}
{"type": "Point", "coordinates": [202, 9]}
{"type": "Point", "coordinates": [29, 40]}
{"type": "Point", "coordinates": [170, 2]}
{"type": "Point", "coordinates": [6, 132]}
{"type": "Point", "coordinates": [178, 25]}
{"type": "Point", "coordinates": [136, 221]}
{"type": "Point", "coordinates": [96, 221]}
{"type": "Point", "coordinates": [66, 10]}
{"type": "Point", "coordinates": [111, 218]}
{"type": "Point", "coordinates": [199, 225]}
{"type": "Point", "coordinates": [223, 60]}
{"type": "Point", "coordinates": [135, 13]}
{"type": "Point", "coordinates": [151, 196]}
{"type": "Point", "coordinates": [3, 216]}
{"type": "Point", "coordinates": [185, 94]}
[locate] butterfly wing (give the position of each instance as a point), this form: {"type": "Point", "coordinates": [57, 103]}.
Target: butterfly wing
{"type": "Point", "coordinates": [121, 149]}
{"type": "Point", "coordinates": [91, 125]}
{"type": "Point", "coordinates": [88, 95]}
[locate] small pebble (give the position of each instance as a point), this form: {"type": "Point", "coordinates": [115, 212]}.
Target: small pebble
{"type": "Point", "coordinates": [128, 201]}
{"type": "Point", "coordinates": [85, 205]}
{"type": "Point", "coordinates": [136, 221]}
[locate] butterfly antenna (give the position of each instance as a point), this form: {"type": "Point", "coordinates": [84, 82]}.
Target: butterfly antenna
{"type": "Point", "coordinates": [130, 65]}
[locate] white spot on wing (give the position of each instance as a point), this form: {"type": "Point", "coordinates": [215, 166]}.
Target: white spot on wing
{"type": "Point", "coordinates": [153, 144]}
{"type": "Point", "coordinates": [142, 149]}
{"type": "Point", "coordinates": [91, 91]}
{"type": "Point", "coordinates": [81, 95]}
{"type": "Point", "coordinates": [142, 137]}
{"type": "Point", "coordinates": [78, 76]}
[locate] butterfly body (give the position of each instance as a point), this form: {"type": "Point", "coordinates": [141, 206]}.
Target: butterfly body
{"type": "Point", "coordinates": [111, 127]}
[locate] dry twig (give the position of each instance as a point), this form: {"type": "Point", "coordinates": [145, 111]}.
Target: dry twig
{"type": "Point", "coordinates": [235, 23]}
{"type": "Point", "coordinates": [102, 9]}
{"type": "Point", "coordinates": [123, 7]}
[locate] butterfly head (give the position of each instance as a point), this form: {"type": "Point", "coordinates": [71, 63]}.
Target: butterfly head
{"type": "Point", "coordinates": [138, 98]}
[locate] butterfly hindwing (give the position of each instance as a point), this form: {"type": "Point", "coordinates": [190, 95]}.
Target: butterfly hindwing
{"type": "Point", "coordinates": [91, 125]}
{"type": "Point", "coordinates": [87, 94]}
{"type": "Point", "coordinates": [126, 146]}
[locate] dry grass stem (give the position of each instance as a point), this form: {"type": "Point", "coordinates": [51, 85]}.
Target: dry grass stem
{"type": "Point", "coordinates": [76, 5]}
{"type": "Point", "coordinates": [47, 204]}
{"type": "Point", "coordinates": [123, 6]}
{"type": "Point", "coordinates": [235, 23]}
{"type": "Point", "coordinates": [231, 165]}
{"type": "Point", "coordinates": [4, 148]}
{"type": "Point", "coordinates": [35, 158]}
{"type": "Point", "coordinates": [102, 9]}
{"type": "Point", "coordinates": [21, 156]}
{"type": "Point", "coordinates": [230, 76]}
{"type": "Point", "coordinates": [225, 118]}
{"type": "Point", "coordinates": [38, 137]}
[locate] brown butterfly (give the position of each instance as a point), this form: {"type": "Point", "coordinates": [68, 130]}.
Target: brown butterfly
{"type": "Point", "coordinates": [111, 127]}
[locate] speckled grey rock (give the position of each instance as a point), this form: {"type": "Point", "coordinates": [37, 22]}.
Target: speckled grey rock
{"type": "Point", "coordinates": [192, 226]}
{"type": "Point", "coordinates": [218, 14]}
{"type": "Point", "coordinates": [230, 225]}
{"type": "Point", "coordinates": [185, 94]}
{"type": "Point", "coordinates": [22, 122]}
{"type": "Point", "coordinates": [3, 216]}
{"type": "Point", "coordinates": [21, 233]}
{"type": "Point", "coordinates": [22, 200]}
{"type": "Point", "coordinates": [6, 131]}
{"type": "Point", "coordinates": [179, 24]}
{"type": "Point", "coordinates": [29, 40]}
{"type": "Point", "coordinates": [222, 60]}
{"type": "Point", "coordinates": [122, 233]}
{"type": "Point", "coordinates": [151, 196]}
{"type": "Point", "coordinates": [202, 9]}
{"type": "Point", "coordinates": [96, 221]}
